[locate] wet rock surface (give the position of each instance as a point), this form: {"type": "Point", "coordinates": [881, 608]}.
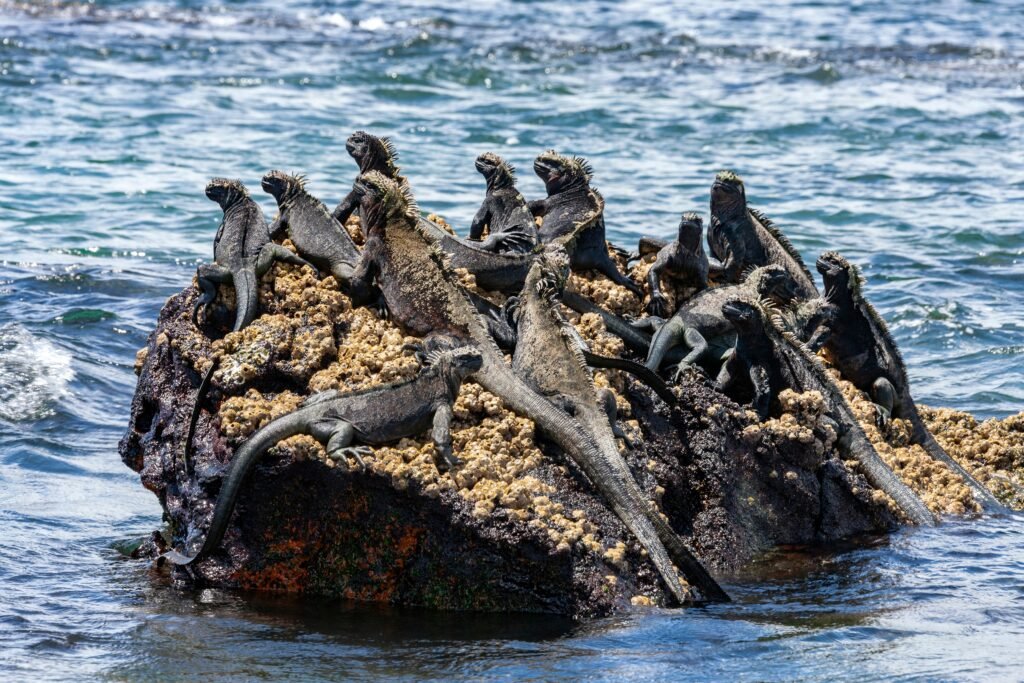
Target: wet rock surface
{"type": "Point", "coordinates": [516, 526]}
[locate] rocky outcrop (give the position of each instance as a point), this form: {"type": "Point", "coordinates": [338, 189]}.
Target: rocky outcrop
{"type": "Point", "coordinates": [516, 527]}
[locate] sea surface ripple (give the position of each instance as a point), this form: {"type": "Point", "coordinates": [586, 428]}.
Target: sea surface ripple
{"type": "Point", "coordinates": [892, 132]}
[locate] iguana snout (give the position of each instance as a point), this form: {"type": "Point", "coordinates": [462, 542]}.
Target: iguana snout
{"type": "Point", "coordinates": [832, 265]}
{"type": "Point", "coordinates": [728, 187]}
{"type": "Point", "coordinates": [277, 183]}
{"type": "Point", "coordinates": [691, 228]}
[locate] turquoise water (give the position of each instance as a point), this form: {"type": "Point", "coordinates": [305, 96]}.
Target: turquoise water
{"type": "Point", "coordinates": [895, 135]}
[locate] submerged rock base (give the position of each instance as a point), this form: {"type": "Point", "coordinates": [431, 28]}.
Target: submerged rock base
{"type": "Point", "coordinates": [516, 527]}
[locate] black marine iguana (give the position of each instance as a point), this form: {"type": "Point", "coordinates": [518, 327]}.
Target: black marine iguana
{"type": "Point", "coordinates": [549, 357]}
{"type": "Point", "coordinates": [371, 153]}
{"type": "Point", "coordinates": [493, 271]}
{"type": "Point", "coordinates": [242, 252]}
{"type": "Point", "coordinates": [864, 352]}
{"type": "Point", "coordinates": [316, 236]}
{"type": "Point", "coordinates": [700, 322]}
{"type": "Point", "coordinates": [573, 214]}
{"type": "Point", "coordinates": [811, 321]}
{"type": "Point", "coordinates": [504, 212]}
{"type": "Point", "coordinates": [742, 238]}
{"type": "Point", "coordinates": [771, 360]}
{"type": "Point", "coordinates": [423, 296]}
{"type": "Point", "coordinates": [374, 416]}
{"type": "Point", "coordinates": [682, 260]}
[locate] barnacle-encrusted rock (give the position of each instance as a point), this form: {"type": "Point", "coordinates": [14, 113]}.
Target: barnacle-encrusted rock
{"type": "Point", "coordinates": [516, 526]}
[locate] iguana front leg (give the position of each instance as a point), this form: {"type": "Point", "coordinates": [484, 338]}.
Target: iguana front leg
{"type": "Point", "coordinates": [275, 252]}
{"type": "Point", "coordinates": [538, 207]}
{"type": "Point", "coordinates": [883, 395]}
{"type": "Point", "coordinates": [762, 390]}
{"type": "Point", "coordinates": [698, 347]}
{"type": "Point", "coordinates": [480, 221]}
{"type": "Point", "coordinates": [659, 304]}
{"type": "Point", "coordinates": [442, 435]}
{"type": "Point", "coordinates": [667, 337]}
{"type": "Point", "coordinates": [279, 227]}
{"type": "Point", "coordinates": [347, 206]}
{"type": "Point", "coordinates": [208, 276]}
{"type": "Point", "coordinates": [607, 400]}
{"type": "Point", "coordinates": [361, 283]}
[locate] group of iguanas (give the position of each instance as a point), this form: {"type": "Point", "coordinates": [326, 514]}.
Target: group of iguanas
{"type": "Point", "coordinates": [754, 320]}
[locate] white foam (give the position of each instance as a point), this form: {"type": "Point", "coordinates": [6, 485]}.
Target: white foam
{"type": "Point", "coordinates": [34, 373]}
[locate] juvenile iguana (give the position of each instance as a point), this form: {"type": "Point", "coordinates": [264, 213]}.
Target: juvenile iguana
{"type": "Point", "coordinates": [683, 260]}
{"type": "Point", "coordinates": [423, 296]}
{"type": "Point", "coordinates": [242, 252]}
{"type": "Point", "coordinates": [864, 352]}
{"type": "Point", "coordinates": [549, 357]}
{"type": "Point", "coordinates": [742, 238]}
{"type": "Point", "coordinates": [375, 416]}
{"type": "Point", "coordinates": [700, 323]}
{"type": "Point", "coordinates": [771, 359]}
{"type": "Point", "coordinates": [573, 214]}
{"type": "Point", "coordinates": [317, 237]}
{"type": "Point", "coordinates": [504, 212]}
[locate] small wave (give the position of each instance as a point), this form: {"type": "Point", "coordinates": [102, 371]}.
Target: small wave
{"type": "Point", "coordinates": [34, 373]}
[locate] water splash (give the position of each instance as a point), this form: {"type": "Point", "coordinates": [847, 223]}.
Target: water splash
{"type": "Point", "coordinates": [34, 373]}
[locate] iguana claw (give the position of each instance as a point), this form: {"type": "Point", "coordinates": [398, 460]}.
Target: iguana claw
{"type": "Point", "coordinates": [354, 452]}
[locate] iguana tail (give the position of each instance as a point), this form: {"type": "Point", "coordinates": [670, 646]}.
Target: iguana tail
{"type": "Point", "coordinates": [204, 387]}
{"type": "Point", "coordinates": [247, 288]}
{"type": "Point", "coordinates": [635, 339]}
{"type": "Point", "coordinates": [644, 374]}
{"type": "Point", "coordinates": [667, 337]}
{"type": "Point", "coordinates": [566, 432]}
{"type": "Point", "coordinates": [246, 457]}
{"type": "Point", "coordinates": [922, 436]}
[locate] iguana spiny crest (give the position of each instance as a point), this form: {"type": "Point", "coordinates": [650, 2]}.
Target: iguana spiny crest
{"type": "Point", "coordinates": [560, 172]}
{"type": "Point", "coordinates": [373, 153]}
{"type": "Point", "coordinates": [226, 192]}
{"type": "Point", "coordinates": [394, 199]}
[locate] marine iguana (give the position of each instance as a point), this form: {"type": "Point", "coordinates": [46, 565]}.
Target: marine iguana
{"type": "Point", "coordinates": [374, 416]}
{"type": "Point", "coordinates": [549, 357]}
{"type": "Point", "coordinates": [242, 252]}
{"type": "Point", "coordinates": [864, 352]}
{"type": "Point", "coordinates": [700, 322]}
{"type": "Point", "coordinates": [305, 219]}
{"type": "Point", "coordinates": [742, 238]}
{"type": "Point", "coordinates": [573, 214]}
{"type": "Point", "coordinates": [811, 321]}
{"type": "Point", "coordinates": [504, 212]}
{"type": "Point", "coordinates": [493, 271]}
{"type": "Point", "coordinates": [772, 359]}
{"type": "Point", "coordinates": [371, 153]}
{"type": "Point", "coordinates": [682, 260]}
{"type": "Point", "coordinates": [423, 296]}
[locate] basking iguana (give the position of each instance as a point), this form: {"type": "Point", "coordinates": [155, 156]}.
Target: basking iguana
{"type": "Point", "coordinates": [549, 357]}
{"type": "Point", "coordinates": [769, 359]}
{"type": "Point", "coordinates": [407, 264]}
{"type": "Point", "coordinates": [682, 260]}
{"type": "Point", "coordinates": [864, 352]}
{"type": "Point", "coordinates": [305, 219]}
{"type": "Point", "coordinates": [811, 321]}
{"type": "Point", "coordinates": [700, 324]}
{"type": "Point", "coordinates": [504, 212]}
{"type": "Point", "coordinates": [374, 416]}
{"type": "Point", "coordinates": [501, 272]}
{"type": "Point", "coordinates": [742, 238]}
{"type": "Point", "coordinates": [573, 214]}
{"type": "Point", "coordinates": [371, 153]}
{"type": "Point", "coordinates": [242, 252]}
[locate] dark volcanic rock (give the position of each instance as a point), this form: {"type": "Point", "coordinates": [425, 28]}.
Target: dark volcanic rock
{"type": "Point", "coordinates": [730, 487]}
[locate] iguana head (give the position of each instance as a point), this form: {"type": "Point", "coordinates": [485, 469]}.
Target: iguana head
{"type": "Point", "coordinates": [835, 270]}
{"type": "Point", "coordinates": [282, 185]}
{"type": "Point", "coordinates": [455, 360]}
{"type": "Point", "coordinates": [774, 282]}
{"type": "Point", "coordinates": [495, 170]}
{"type": "Point", "coordinates": [691, 226]}
{"type": "Point", "coordinates": [226, 192]}
{"type": "Point", "coordinates": [372, 153]}
{"type": "Point", "coordinates": [561, 173]}
{"type": "Point", "coordinates": [727, 193]}
{"type": "Point", "coordinates": [744, 316]}
{"type": "Point", "coordinates": [383, 199]}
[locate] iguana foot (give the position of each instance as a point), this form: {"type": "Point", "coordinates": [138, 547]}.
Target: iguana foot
{"type": "Point", "coordinates": [658, 306]}
{"type": "Point", "coordinates": [883, 417]}
{"type": "Point", "coordinates": [354, 452]}
{"type": "Point", "coordinates": [687, 368]}
{"type": "Point", "coordinates": [447, 461]}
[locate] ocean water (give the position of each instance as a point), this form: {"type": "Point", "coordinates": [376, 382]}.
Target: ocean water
{"type": "Point", "coordinates": [893, 132]}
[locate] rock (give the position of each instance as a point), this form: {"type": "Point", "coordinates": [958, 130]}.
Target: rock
{"type": "Point", "coordinates": [515, 528]}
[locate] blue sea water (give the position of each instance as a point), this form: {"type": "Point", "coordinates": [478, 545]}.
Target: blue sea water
{"type": "Point", "coordinates": [893, 132]}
